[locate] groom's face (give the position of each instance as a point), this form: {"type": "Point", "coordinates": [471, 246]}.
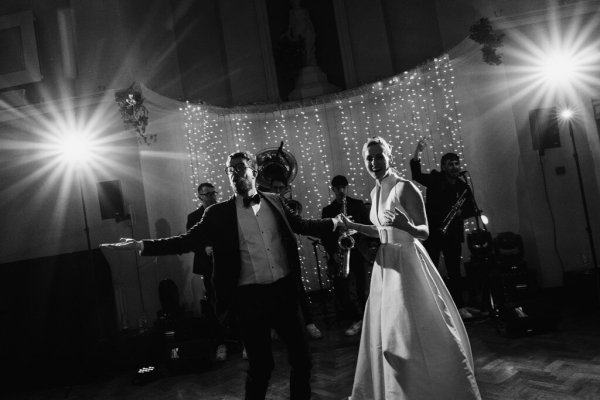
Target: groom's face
{"type": "Point", "coordinates": [242, 177]}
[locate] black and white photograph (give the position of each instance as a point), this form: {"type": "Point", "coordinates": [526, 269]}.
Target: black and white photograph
{"type": "Point", "coordinates": [300, 199]}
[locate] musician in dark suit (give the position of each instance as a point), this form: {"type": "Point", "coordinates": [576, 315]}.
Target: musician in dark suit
{"type": "Point", "coordinates": [356, 209]}
{"type": "Point", "coordinates": [203, 267]}
{"type": "Point", "coordinates": [443, 191]}
{"type": "Point", "coordinates": [255, 274]}
{"type": "Point", "coordinates": [202, 260]}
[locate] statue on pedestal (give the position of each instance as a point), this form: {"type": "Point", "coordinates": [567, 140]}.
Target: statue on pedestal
{"type": "Point", "coordinates": [301, 29]}
{"type": "Point", "coordinates": [311, 80]}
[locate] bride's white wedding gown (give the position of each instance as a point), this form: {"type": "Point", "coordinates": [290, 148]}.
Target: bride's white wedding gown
{"type": "Point", "coordinates": [414, 345]}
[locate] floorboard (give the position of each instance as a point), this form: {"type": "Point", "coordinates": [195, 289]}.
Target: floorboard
{"type": "Point", "coordinates": [563, 363]}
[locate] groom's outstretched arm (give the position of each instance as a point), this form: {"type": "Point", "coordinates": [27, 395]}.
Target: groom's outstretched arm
{"type": "Point", "coordinates": [159, 247]}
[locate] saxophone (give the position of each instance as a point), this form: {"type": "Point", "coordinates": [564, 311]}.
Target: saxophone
{"type": "Point", "coordinates": [345, 244]}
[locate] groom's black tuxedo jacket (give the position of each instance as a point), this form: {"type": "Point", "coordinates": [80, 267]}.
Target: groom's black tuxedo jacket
{"type": "Point", "coordinates": [219, 227]}
{"type": "Point", "coordinates": [202, 261]}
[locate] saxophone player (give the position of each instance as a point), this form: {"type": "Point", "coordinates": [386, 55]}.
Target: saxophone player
{"type": "Point", "coordinates": [446, 223]}
{"type": "Point", "coordinates": [346, 308]}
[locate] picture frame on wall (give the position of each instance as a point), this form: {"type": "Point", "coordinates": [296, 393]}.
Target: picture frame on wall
{"type": "Point", "coordinates": [19, 62]}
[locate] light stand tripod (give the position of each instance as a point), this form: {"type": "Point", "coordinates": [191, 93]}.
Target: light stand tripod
{"type": "Point", "coordinates": [586, 213]}
{"type": "Point", "coordinates": [83, 359]}
{"type": "Point", "coordinates": [89, 250]}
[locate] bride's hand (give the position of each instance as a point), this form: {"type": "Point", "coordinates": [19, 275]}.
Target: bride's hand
{"type": "Point", "coordinates": [397, 219]}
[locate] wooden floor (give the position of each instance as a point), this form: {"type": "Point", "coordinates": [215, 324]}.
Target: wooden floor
{"type": "Point", "coordinates": [562, 364]}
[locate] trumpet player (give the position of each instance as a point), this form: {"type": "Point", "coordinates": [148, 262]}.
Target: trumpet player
{"type": "Point", "coordinates": [448, 203]}
{"type": "Point", "coordinates": [346, 308]}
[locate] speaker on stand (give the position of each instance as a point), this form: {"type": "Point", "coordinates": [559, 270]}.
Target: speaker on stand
{"type": "Point", "coordinates": [110, 197]}
{"type": "Point", "coordinates": [544, 129]}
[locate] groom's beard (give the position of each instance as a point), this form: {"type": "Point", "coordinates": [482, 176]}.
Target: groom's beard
{"type": "Point", "coordinates": [242, 186]}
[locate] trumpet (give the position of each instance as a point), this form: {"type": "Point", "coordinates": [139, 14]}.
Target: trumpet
{"type": "Point", "coordinates": [453, 211]}
{"type": "Point", "coordinates": [345, 244]}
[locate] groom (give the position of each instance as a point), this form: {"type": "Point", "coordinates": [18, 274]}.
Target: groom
{"type": "Point", "coordinates": [256, 270]}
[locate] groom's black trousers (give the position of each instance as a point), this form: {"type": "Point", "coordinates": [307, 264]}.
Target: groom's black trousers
{"type": "Point", "coordinates": [275, 305]}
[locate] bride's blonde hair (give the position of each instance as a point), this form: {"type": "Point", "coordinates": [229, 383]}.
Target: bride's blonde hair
{"type": "Point", "coordinates": [385, 146]}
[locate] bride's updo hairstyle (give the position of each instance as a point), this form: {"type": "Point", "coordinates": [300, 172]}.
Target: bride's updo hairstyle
{"type": "Point", "coordinates": [385, 146]}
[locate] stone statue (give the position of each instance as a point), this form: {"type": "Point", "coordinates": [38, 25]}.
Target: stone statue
{"type": "Point", "coordinates": [301, 29]}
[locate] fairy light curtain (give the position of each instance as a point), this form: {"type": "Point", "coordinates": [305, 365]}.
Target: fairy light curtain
{"type": "Point", "coordinates": [326, 137]}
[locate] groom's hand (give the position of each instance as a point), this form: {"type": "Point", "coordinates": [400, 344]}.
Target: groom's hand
{"type": "Point", "coordinates": [338, 221]}
{"type": "Point", "coordinates": [125, 244]}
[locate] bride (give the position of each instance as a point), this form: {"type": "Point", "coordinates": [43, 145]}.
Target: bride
{"type": "Point", "coordinates": [414, 345]}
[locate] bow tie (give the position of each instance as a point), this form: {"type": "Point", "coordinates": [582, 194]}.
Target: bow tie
{"type": "Point", "coordinates": [251, 199]}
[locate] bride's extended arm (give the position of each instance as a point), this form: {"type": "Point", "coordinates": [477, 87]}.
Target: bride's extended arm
{"type": "Point", "coordinates": [367, 230]}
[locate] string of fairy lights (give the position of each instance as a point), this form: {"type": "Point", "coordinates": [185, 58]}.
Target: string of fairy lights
{"type": "Point", "coordinates": [326, 136]}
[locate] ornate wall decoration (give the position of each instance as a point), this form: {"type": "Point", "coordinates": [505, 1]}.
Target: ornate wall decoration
{"type": "Point", "coordinates": [133, 112]}
{"type": "Point", "coordinates": [483, 33]}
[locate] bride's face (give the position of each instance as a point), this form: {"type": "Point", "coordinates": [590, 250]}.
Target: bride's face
{"type": "Point", "coordinates": [376, 161]}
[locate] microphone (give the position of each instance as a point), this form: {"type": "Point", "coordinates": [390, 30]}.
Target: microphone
{"type": "Point", "coordinates": [462, 173]}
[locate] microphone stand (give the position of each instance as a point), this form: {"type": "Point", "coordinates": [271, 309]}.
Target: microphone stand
{"type": "Point", "coordinates": [315, 244]}
{"type": "Point", "coordinates": [480, 230]}
{"type": "Point", "coordinates": [143, 317]}
{"type": "Point", "coordinates": [480, 244]}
